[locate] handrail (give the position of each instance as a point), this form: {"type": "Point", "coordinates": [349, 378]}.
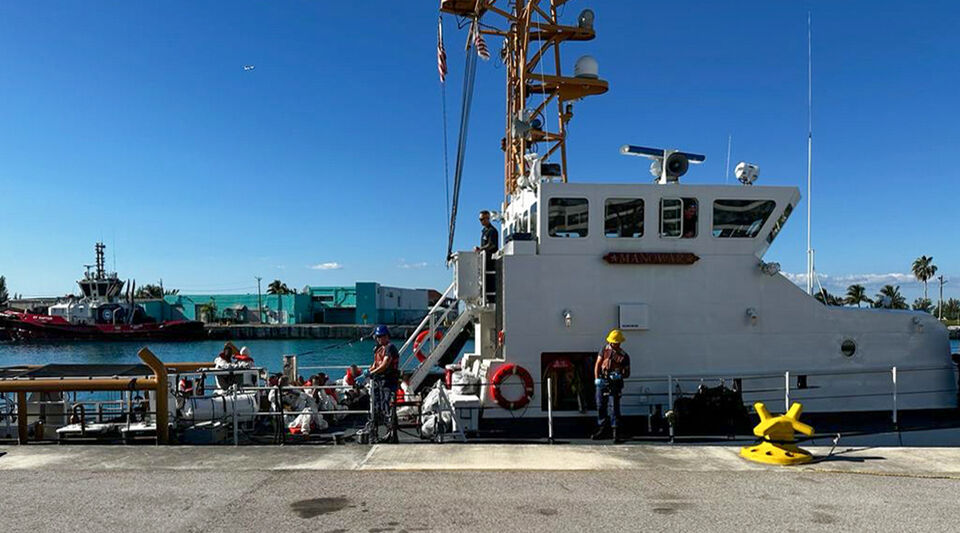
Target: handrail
{"type": "Point", "coordinates": [426, 318]}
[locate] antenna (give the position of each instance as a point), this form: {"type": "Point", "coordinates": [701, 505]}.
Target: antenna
{"type": "Point", "coordinates": [810, 253]}
{"type": "Point", "coordinates": [726, 170]}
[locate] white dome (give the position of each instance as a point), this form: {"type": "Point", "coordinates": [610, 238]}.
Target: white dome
{"type": "Point", "coordinates": [587, 67]}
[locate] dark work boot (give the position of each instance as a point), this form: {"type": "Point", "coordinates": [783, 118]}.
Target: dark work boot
{"type": "Point", "coordinates": [598, 434]}
{"type": "Point", "coordinates": [617, 439]}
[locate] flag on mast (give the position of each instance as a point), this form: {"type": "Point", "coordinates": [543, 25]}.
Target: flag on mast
{"type": "Point", "coordinates": [441, 52]}
{"type": "Point", "coordinates": [479, 42]}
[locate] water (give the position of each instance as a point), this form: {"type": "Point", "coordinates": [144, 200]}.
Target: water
{"type": "Point", "coordinates": [266, 353]}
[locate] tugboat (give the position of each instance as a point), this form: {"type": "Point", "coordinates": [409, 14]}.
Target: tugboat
{"type": "Point", "coordinates": [102, 313]}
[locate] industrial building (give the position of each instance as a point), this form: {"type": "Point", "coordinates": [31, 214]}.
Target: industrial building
{"type": "Point", "coordinates": [362, 303]}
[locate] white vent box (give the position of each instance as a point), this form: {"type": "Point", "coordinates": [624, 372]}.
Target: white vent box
{"type": "Point", "coordinates": [468, 275]}
{"type": "Point", "coordinates": [634, 316]}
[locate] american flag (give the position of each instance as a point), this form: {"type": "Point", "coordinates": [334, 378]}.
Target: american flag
{"type": "Point", "coordinates": [481, 45]}
{"type": "Point", "coordinates": [441, 53]}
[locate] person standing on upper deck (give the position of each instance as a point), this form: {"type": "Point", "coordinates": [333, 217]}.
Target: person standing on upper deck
{"type": "Point", "coordinates": [489, 237]}
{"type": "Point", "coordinates": [611, 368]}
{"type": "Point", "coordinates": [489, 244]}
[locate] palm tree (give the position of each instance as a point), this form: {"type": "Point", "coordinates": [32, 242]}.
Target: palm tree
{"type": "Point", "coordinates": [922, 304]}
{"type": "Point", "coordinates": [889, 297]}
{"type": "Point", "coordinates": [924, 269]}
{"type": "Point", "coordinates": [826, 298]}
{"type": "Point", "coordinates": [857, 294]}
{"type": "Point", "coordinates": [278, 287]}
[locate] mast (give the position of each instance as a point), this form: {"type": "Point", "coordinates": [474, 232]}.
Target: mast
{"type": "Point", "coordinates": [531, 29]}
{"type": "Point", "coordinates": [810, 264]}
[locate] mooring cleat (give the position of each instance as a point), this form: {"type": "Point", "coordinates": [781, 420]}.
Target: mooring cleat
{"type": "Point", "coordinates": [779, 445]}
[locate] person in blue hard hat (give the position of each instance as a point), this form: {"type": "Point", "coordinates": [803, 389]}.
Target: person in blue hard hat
{"type": "Point", "coordinates": [611, 368]}
{"type": "Point", "coordinates": [385, 372]}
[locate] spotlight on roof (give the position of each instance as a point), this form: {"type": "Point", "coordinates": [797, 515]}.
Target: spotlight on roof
{"type": "Point", "coordinates": [747, 173]}
{"type": "Point", "coordinates": [668, 165]}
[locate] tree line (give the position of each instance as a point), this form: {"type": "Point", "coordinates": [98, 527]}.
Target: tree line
{"type": "Point", "coordinates": [889, 297]}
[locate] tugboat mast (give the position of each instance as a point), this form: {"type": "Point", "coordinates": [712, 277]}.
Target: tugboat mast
{"type": "Point", "coordinates": [532, 29]}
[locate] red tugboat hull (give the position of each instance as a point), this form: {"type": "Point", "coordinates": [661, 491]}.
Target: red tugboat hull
{"type": "Point", "coordinates": [26, 326]}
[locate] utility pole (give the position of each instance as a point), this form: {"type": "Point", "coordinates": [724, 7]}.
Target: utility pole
{"type": "Point", "coordinates": [940, 306]}
{"type": "Point", "coordinates": [259, 301]}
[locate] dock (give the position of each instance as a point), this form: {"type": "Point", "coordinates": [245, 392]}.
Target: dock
{"type": "Point", "coordinates": [394, 488]}
{"type": "Point", "coordinates": [300, 331]}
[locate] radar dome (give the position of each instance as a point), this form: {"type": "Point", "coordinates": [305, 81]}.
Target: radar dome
{"type": "Point", "coordinates": [587, 67]}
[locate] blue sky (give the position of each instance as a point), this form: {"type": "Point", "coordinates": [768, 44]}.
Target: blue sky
{"type": "Point", "coordinates": [135, 123]}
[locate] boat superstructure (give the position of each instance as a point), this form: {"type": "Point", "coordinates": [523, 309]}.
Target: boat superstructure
{"type": "Point", "coordinates": [679, 268]}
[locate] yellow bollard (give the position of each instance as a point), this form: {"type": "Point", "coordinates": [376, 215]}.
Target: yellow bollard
{"type": "Point", "coordinates": [779, 445]}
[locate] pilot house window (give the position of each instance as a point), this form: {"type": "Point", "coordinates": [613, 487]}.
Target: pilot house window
{"type": "Point", "coordinates": [623, 217]}
{"type": "Point", "coordinates": [567, 217]}
{"type": "Point", "coordinates": [678, 217]}
{"type": "Point", "coordinates": [740, 218]}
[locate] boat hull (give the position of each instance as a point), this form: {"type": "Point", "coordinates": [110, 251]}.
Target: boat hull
{"type": "Point", "coordinates": [26, 327]}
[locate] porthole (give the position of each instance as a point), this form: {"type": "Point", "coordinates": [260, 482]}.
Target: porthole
{"type": "Point", "coordinates": [848, 348]}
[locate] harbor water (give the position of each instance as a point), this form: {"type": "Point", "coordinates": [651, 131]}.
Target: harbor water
{"type": "Point", "coordinates": [267, 353]}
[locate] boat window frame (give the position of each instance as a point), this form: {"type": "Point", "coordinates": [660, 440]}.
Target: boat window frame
{"type": "Point", "coordinates": [759, 232]}
{"type": "Point", "coordinates": [643, 215]}
{"type": "Point", "coordinates": [684, 202]}
{"type": "Point", "coordinates": [660, 218]}
{"type": "Point", "coordinates": [586, 231]}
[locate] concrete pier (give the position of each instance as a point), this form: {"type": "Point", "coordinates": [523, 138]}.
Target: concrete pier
{"type": "Point", "coordinates": [300, 331]}
{"type": "Point", "coordinates": [452, 487]}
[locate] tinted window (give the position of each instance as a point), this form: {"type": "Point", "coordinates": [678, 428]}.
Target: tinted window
{"type": "Point", "coordinates": [568, 217]}
{"type": "Point", "coordinates": [780, 222]}
{"type": "Point", "coordinates": [623, 217]}
{"type": "Point", "coordinates": [740, 218]}
{"type": "Point", "coordinates": [678, 217]}
{"type": "Point", "coordinates": [533, 219]}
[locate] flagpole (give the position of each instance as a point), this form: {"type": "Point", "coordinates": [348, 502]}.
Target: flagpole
{"type": "Point", "coordinates": [810, 253]}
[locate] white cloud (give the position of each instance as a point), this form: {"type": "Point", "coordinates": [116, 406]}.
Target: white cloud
{"type": "Point", "coordinates": [405, 265]}
{"type": "Point", "coordinates": [332, 265]}
{"type": "Point", "coordinates": [845, 280]}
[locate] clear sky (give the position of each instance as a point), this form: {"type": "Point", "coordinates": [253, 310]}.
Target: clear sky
{"type": "Point", "coordinates": [136, 123]}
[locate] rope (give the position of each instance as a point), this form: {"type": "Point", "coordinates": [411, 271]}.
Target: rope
{"type": "Point", "coordinates": [469, 79]}
{"type": "Point", "coordinates": [443, 110]}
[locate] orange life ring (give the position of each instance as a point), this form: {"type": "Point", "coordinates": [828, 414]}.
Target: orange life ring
{"type": "Point", "coordinates": [502, 374]}
{"type": "Point", "coordinates": [418, 343]}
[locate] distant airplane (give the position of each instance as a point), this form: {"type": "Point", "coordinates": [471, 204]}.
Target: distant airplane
{"type": "Point", "coordinates": [249, 67]}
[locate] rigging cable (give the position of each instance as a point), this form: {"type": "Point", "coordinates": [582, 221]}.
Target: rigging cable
{"type": "Point", "coordinates": [443, 108]}
{"type": "Point", "coordinates": [469, 77]}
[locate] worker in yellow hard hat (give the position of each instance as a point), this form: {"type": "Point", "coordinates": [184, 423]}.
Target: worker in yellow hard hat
{"type": "Point", "coordinates": [611, 368]}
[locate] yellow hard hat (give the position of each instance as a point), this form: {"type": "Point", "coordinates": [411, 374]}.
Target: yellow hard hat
{"type": "Point", "coordinates": [616, 336]}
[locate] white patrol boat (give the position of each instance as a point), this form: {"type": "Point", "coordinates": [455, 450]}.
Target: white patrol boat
{"type": "Point", "coordinates": [679, 268]}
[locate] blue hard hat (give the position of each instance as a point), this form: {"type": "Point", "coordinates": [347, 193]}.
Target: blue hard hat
{"type": "Point", "coordinates": [380, 331]}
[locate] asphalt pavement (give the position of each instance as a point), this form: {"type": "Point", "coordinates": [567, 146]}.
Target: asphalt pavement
{"type": "Point", "coordinates": [517, 488]}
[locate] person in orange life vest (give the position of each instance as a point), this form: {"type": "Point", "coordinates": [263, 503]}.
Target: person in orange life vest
{"type": "Point", "coordinates": [225, 357]}
{"type": "Point", "coordinates": [385, 373]}
{"type": "Point", "coordinates": [185, 387]}
{"type": "Point", "coordinates": [243, 359]}
{"type": "Point", "coordinates": [386, 360]}
{"type": "Point", "coordinates": [350, 378]}
{"type": "Point", "coordinates": [611, 368]}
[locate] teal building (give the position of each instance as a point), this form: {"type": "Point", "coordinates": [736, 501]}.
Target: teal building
{"type": "Point", "coordinates": [362, 303]}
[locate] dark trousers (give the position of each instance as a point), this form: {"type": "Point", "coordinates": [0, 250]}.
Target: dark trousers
{"type": "Point", "coordinates": [603, 400]}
